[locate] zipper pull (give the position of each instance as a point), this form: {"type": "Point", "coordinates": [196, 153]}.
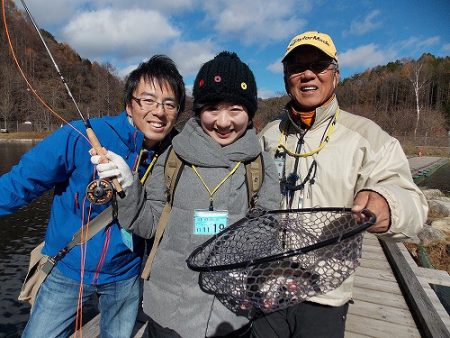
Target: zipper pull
{"type": "Point", "coordinates": [211, 207]}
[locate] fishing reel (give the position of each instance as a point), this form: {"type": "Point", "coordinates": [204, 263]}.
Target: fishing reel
{"type": "Point", "coordinates": [99, 191]}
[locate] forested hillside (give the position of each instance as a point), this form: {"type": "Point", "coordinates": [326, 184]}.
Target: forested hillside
{"type": "Point", "coordinates": [95, 87]}
{"type": "Point", "coordinates": [403, 95]}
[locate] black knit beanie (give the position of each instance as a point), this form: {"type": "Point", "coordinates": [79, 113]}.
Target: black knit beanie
{"type": "Point", "coordinates": [225, 78]}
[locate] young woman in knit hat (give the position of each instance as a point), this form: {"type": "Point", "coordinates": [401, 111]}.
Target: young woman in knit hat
{"type": "Point", "coordinates": [214, 145]}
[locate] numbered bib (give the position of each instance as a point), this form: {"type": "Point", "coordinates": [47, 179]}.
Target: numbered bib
{"type": "Point", "coordinates": [208, 222]}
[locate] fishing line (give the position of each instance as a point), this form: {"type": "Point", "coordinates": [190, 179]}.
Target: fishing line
{"type": "Point", "coordinates": [53, 60]}
{"type": "Point", "coordinates": [92, 140]}
{"type": "Point", "coordinates": [83, 252]}
{"type": "Point", "coordinates": [102, 256]}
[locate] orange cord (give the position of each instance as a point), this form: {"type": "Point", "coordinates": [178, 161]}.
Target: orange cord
{"type": "Point", "coordinates": [83, 246]}
{"type": "Point", "coordinates": [83, 252]}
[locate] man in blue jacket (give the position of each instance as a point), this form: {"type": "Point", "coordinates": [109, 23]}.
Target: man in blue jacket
{"type": "Point", "coordinates": [154, 97]}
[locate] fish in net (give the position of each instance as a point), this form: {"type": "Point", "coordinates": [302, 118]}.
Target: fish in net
{"type": "Point", "coordinates": [281, 257]}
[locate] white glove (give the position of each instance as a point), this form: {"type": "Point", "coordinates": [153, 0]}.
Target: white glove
{"type": "Point", "coordinates": [116, 167]}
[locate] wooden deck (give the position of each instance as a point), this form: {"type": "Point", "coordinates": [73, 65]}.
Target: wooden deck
{"type": "Point", "coordinates": [379, 309]}
{"type": "Point", "coordinates": [382, 306]}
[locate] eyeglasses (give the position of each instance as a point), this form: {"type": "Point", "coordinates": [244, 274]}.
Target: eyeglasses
{"type": "Point", "coordinates": [317, 67]}
{"type": "Point", "coordinates": [148, 105]}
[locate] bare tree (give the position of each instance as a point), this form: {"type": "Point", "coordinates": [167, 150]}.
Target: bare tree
{"type": "Point", "coordinates": [6, 100]}
{"type": "Point", "coordinates": [109, 69]}
{"type": "Point", "coordinates": [418, 83]}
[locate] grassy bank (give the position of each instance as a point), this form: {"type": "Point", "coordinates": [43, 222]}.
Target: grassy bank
{"type": "Point", "coordinates": [33, 135]}
{"type": "Point", "coordinates": [412, 150]}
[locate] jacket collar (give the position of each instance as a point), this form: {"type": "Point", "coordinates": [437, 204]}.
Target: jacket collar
{"type": "Point", "coordinates": [323, 113]}
{"type": "Point", "coordinates": [125, 132]}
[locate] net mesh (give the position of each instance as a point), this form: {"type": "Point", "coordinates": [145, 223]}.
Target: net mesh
{"type": "Point", "coordinates": [260, 264]}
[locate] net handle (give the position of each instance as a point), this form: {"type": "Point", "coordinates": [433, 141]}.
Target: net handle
{"type": "Point", "coordinates": [368, 217]}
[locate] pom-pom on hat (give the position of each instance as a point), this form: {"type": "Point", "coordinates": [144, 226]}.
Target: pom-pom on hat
{"type": "Point", "coordinates": [225, 78]}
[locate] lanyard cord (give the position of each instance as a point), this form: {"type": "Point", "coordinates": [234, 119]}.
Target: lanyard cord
{"type": "Point", "coordinates": [289, 186]}
{"type": "Point", "coordinates": [323, 143]}
{"type": "Point", "coordinates": [149, 168]}
{"type": "Point", "coordinates": [212, 192]}
{"type": "Point", "coordinates": [293, 177]}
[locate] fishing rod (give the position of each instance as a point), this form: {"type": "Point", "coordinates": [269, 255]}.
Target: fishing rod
{"type": "Point", "coordinates": [98, 191]}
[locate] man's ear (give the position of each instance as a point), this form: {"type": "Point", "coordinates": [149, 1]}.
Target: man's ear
{"type": "Point", "coordinates": [336, 78]}
{"type": "Point", "coordinates": [286, 86]}
{"type": "Point", "coordinates": [128, 109]}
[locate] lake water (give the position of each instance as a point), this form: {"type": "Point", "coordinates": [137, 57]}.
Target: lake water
{"type": "Point", "coordinates": [19, 234]}
{"type": "Point", "coordinates": [439, 180]}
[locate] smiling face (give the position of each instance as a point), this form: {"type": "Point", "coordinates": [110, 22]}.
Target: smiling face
{"type": "Point", "coordinates": [310, 89]}
{"type": "Point", "coordinates": [224, 122]}
{"type": "Point", "coordinates": [155, 124]}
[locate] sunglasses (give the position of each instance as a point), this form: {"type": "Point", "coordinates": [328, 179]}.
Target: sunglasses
{"type": "Point", "coordinates": [317, 67]}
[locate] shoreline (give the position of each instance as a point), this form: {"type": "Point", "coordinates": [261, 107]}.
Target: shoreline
{"type": "Point", "coordinates": [21, 140]}
{"type": "Point", "coordinates": [23, 135]}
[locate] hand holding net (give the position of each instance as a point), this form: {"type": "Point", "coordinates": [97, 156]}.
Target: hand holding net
{"type": "Point", "coordinates": [274, 260]}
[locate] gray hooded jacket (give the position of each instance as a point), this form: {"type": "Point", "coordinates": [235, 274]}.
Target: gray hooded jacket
{"type": "Point", "coordinates": [172, 296]}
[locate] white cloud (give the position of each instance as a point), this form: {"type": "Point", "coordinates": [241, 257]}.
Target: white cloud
{"type": "Point", "coordinates": [266, 93]}
{"type": "Point", "coordinates": [446, 48]}
{"type": "Point", "coordinates": [190, 55]}
{"type": "Point", "coordinates": [61, 11]}
{"type": "Point", "coordinates": [366, 25]}
{"type": "Point", "coordinates": [371, 55]}
{"type": "Point", "coordinates": [165, 6]}
{"type": "Point", "coordinates": [97, 33]}
{"type": "Point", "coordinates": [417, 43]}
{"type": "Point", "coordinates": [415, 46]}
{"type": "Point", "coordinates": [172, 5]}
{"type": "Point", "coordinates": [276, 67]}
{"type": "Point", "coordinates": [123, 72]}
{"type": "Point", "coordinates": [257, 22]}
{"type": "Point", "coordinates": [366, 56]}
{"type": "Point", "coordinates": [430, 41]}
{"type": "Point", "coordinates": [189, 89]}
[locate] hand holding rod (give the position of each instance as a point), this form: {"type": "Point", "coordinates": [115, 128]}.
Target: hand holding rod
{"type": "Point", "coordinates": [102, 151]}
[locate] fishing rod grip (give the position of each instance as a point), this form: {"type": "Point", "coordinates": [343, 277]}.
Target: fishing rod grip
{"type": "Point", "coordinates": [101, 151]}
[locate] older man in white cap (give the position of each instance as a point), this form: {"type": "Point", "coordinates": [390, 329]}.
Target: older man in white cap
{"type": "Point", "coordinates": [327, 157]}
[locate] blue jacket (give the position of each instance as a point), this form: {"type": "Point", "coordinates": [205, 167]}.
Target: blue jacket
{"type": "Point", "coordinates": [61, 161]}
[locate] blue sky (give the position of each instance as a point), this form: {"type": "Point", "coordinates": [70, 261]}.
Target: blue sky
{"type": "Point", "coordinates": [127, 32]}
